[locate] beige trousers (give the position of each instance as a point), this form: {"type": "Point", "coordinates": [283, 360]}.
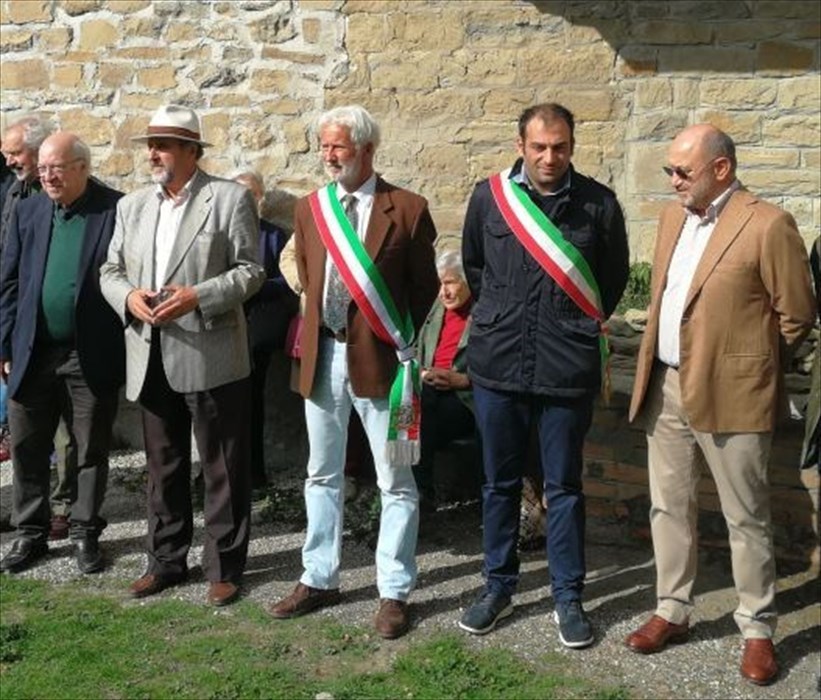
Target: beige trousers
{"type": "Point", "coordinates": [738, 464]}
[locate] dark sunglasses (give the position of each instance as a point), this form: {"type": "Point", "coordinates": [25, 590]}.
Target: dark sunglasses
{"type": "Point", "coordinates": [687, 175]}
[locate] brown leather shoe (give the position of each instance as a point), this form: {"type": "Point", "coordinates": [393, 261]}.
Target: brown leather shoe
{"type": "Point", "coordinates": [392, 620]}
{"type": "Point", "coordinates": [221, 593]}
{"type": "Point", "coordinates": [58, 527]}
{"type": "Point", "coordinates": [654, 635]}
{"type": "Point", "coordinates": [758, 663]}
{"type": "Point", "coordinates": [151, 584]}
{"type": "Point", "coordinates": [302, 600]}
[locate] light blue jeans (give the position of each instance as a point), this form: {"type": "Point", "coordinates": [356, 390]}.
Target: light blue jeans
{"type": "Point", "coordinates": [326, 416]}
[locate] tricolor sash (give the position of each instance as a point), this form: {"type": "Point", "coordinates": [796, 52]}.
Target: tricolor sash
{"type": "Point", "coordinates": [371, 295]}
{"type": "Point", "coordinates": [557, 256]}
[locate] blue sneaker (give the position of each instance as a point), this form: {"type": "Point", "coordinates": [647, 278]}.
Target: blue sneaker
{"type": "Point", "coordinates": [482, 616]}
{"type": "Point", "coordinates": [574, 627]}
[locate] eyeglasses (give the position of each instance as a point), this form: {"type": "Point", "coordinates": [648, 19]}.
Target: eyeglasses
{"type": "Point", "coordinates": [57, 169]}
{"type": "Point", "coordinates": [688, 175]}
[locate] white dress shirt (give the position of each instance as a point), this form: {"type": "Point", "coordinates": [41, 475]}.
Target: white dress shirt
{"type": "Point", "coordinates": [695, 234]}
{"type": "Point", "coordinates": [171, 213]}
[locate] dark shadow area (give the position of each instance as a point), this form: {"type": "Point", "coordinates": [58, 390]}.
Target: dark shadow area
{"type": "Point", "coordinates": [733, 36]}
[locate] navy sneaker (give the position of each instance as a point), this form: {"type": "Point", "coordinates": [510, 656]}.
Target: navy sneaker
{"type": "Point", "coordinates": [574, 627]}
{"type": "Point", "coordinates": [482, 616]}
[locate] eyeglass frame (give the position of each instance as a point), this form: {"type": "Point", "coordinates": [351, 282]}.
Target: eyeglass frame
{"type": "Point", "coordinates": [59, 168]}
{"type": "Point", "coordinates": [692, 175]}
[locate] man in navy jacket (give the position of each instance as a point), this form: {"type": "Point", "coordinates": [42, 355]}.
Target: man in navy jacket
{"type": "Point", "coordinates": [61, 347]}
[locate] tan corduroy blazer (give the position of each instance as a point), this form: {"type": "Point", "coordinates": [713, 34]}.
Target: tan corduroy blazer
{"type": "Point", "coordinates": [399, 240]}
{"type": "Point", "coordinates": [749, 305]}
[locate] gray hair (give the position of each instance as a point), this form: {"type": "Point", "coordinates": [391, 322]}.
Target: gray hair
{"type": "Point", "coordinates": [450, 261]}
{"type": "Point", "coordinates": [360, 123]}
{"type": "Point", "coordinates": [35, 128]}
{"type": "Point", "coordinates": [81, 151]}
{"type": "Point", "coordinates": [717, 144]}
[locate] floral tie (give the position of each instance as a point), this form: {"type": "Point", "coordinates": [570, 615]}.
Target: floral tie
{"type": "Point", "coordinates": [339, 298]}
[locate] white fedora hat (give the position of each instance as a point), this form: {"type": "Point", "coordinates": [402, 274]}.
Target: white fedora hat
{"type": "Point", "coordinates": [174, 122]}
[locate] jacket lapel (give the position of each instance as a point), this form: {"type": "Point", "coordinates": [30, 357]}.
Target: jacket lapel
{"type": "Point", "coordinates": [380, 221]}
{"type": "Point", "coordinates": [195, 216]}
{"type": "Point", "coordinates": [730, 223]}
{"type": "Point", "coordinates": [668, 238]}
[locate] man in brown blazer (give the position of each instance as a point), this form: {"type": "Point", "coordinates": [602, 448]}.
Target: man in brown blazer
{"type": "Point", "coordinates": [346, 365]}
{"type": "Point", "coordinates": [731, 298]}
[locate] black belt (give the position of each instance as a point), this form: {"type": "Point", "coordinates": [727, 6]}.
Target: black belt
{"type": "Point", "coordinates": [339, 336]}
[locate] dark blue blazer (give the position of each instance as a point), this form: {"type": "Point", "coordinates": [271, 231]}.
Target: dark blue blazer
{"type": "Point", "coordinates": [99, 335]}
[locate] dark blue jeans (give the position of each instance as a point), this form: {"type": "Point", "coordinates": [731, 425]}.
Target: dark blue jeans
{"type": "Point", "coordinates": [504, 420]}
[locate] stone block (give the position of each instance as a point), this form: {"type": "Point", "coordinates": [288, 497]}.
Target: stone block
{"type": "Point", "coordinates": [492, 70]}
{"type": "Point", "coordinates": [587, 105]}
{"type": "Point", "coordinates": [26, 74]}
{"type": "Point", "coordinates": [793, 130]}
{"type": "Point", "coordinates": [770, 157]}
{"type": "Point", "coordinates": [252, 136]}
{"type": "Point", "coordinates": [117, 164]}
{"type": "Point", "coordinates": [743, 127]}
{"type": "Point", "coordinates": [94, 130]}
{"type": "Point", "coordinates": [125, 7]}
{"type": "Point", "coordinates": [783, 57]}
{"type": "Point", "coordinates": [673, 59]}
{"type": "Point", "coordinates": [653, 93]}
{"type": "Point", "coordinates": [143, 27]}
{"type": "Point", "coordinates": [795, 9]}
{"type": "Point", "coordinates": [144, 102]}
{"type": "Point", "coordinates": [367, 33]}
{"type": "Point", "coordinates": [275, 27]}
{"type": "Point", "coordinates": [67, 75]}
{"type": "Point", "coordinates": [774, 183]}
{"type": "Point", "coordinates": [54, 39]}
{"type": "Point", "coordinates": [643, 168]}
{"type": "Point", "coordinates": [115, 74]}
{"type": "Point", "coordinates": [160, 78]}
{"type": "Point", "coordinates": [685, 92]}
{"type": "Point", "coordinates": [738, 93]}
{"type": "Point", "coordinates": [284, 105]}
{"type": "Point", "coordinates": [276, 81]}
{"type": "Point", "coordinates": [181, 31]}
{"type": "Point", "coordinates": [441, 158]}
{"type": "Point", "coordinates": [311, 30]}
{"type": "Point", "coordinates": [634, 61]}
{"type": "Point", "coordinates": [96, 34]}
{"type": "Point", "coordinates": [676, 33]}
{"type": "Point", "coordinates": [428, 30]}
{"type": "Point", "coordinates": [585, 64]}
{"type": "Point", "coordinates": [129, 127]}
{"type": "Point", "coordinates": [448, 221]}
{"type": "Point", "coordinates": [296, 137]}
{"type": "Point", "coordinates": [800, 93]}
{"type": "Point", "coordinates": [750, 31]}
{"type": "Point", "coordinates": [389, 71]}
{"type": "Point", "coordinates": [230, 99]}
{"type": "Point", "coordinates": [143, 53]}
{"type": "Point", "coordinates": [505, 103]}
{"type": "Point", "coordinates": [23, 11]}
{"type": "Point", "coordinates": [298, 57]}
{"type": "Point", "coordinates": [216, 128]}
{"type": "Point", "coordinates": [79, 7]}
{"type": "Point", "coordinates": [15, 40]}
{"type": "Point", "coordinates": [353, 7]}
{"type": "Point", "coordinates": [706, 10]}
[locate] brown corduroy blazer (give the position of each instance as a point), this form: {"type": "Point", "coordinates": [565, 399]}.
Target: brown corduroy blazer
{"type": "Point", "coordinates": [750, 304]}
{"type": "Point", "coordinates": [399, 240]}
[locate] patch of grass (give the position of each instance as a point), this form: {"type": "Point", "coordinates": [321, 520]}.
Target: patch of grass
{"type": "Point", "coordinates": [637, 293]}
{"type": "Point", "coordinates": [64, 642]}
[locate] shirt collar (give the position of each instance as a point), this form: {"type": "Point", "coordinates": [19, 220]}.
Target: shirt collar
{"type": "Point", "coordinates": [182, 196]}
{"type": "Point", "coordinates": [715, 207]}
{"type": "Point", "coordinates": [366, 189]}
{"type": "Point", "coordinates": [519, 176]}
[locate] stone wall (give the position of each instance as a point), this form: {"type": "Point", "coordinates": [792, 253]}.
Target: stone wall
{"type": "Point", "coordinates": [446, 80]}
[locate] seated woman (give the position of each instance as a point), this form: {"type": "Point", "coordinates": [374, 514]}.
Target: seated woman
{"type": "Point", "coordinates": [447, 399]}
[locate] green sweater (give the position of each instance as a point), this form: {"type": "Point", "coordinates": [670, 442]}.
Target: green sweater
{"type": "Point", "coordinates": [60, 279]}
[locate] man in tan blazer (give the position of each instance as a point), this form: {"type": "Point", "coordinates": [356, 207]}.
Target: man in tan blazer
{"type": "Point", "coordinates": [346, 365]}
{"type": "Point", "coordinates": [731, 298]}
{"type": "Point", "coordinates": [182, 261]}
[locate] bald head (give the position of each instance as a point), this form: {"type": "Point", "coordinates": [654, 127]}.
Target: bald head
{"type": "Point", "coordinates": [702, 161]}
{"type": "Point", "coordinates": [64, 166]}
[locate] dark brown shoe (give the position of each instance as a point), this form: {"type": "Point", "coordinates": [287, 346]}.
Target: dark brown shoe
{"type": "Point", "coordinates": [392, 620]}
{"type": "Point", "coordinates": [151, 584]}
{"type": "Point", "coordinates": [758, 663]}
{"type": "Point", "coordinates": [655, 634]}
{"type": "Point", "coordinates": [303, 600]}
{"type": "Point", "coordinates": [222, 593]}
{"type": "Point", "coordinates": [58, 528]}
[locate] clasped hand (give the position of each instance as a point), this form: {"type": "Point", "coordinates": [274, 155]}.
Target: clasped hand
{"type": "Point", "coordinates": [445, 379]}
{"type": "Point", "coordinates": [157, 308]}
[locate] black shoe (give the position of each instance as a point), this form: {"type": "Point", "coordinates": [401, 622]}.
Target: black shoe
{"type": "Point", "coordinates": [89, 557]}
{"type": "Point", "coordinates": [23, 553]}
{"type": "Point", "coordinates": [482, 616]}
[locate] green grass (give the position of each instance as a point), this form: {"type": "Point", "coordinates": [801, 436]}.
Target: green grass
{"type": "Point", "coordinates": [66, 642]}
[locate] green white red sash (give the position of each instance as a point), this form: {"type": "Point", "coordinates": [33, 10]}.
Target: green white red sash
{"type": "Point", "coordinates": [371, 295]}
{"type": "Point", "coordinates": [557, 256]}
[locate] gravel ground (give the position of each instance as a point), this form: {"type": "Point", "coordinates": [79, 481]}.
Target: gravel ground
{"type": "Point", "coordinates": [619, 595]}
